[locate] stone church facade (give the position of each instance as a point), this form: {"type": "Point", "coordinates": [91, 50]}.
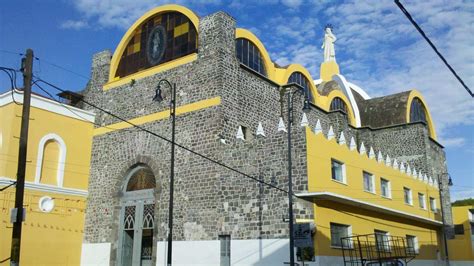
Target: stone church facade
{"type": "Point", "coordinates": [224, 89]}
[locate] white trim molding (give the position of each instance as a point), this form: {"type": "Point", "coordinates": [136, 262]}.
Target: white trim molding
{"type": "Point", "coordinates": [48, 105]}
{"type": "Point", "coordinates": [46, 188]}
{"type": "Point", "coordinates": [61, 160]}
{"type": "Point", "coordinates": [313, 196]}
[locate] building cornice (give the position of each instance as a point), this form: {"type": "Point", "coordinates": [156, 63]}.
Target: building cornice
{"type": "Point", "coordinates": [48, 105]}
{"type": "Point", "coordinates": [314, 196]}
{"type": "Point", "coordinates": [46, 188]}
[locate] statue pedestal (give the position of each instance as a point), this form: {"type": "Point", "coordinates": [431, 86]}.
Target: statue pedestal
{"type": "Point", "coordinates": [328, 69]}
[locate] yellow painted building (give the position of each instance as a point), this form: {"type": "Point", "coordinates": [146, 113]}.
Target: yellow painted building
{"type": "Point", "coordinates": [461, 248]}
{"type": "Point", "coordinates": [58, 156]}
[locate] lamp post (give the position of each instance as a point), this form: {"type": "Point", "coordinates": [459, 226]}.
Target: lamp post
{"type": "Point", "coordinates": [290, 177]}
{"type": "Point", "coordinates": [440, 186]}
{"type": "Point", "coordinates": [159, 98]}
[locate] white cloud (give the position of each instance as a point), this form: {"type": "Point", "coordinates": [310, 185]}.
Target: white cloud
{"type": "Point", "coordinates": [292, 3]}
{"type": "Point", "coordinates": [453, 142]}
{"type": "Point", "coordinates": [74, 24]}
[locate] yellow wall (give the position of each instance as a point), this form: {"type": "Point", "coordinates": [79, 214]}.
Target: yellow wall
{"type": "Point", "coordinates": [47, 238]}
{"type": "Point", "coordinates": [365, 222]}
{"type": "Point", "coordinates": [320, 151]}
{"type": "Point", "coordinates": [76, 134]}
{"type": "Point", "coordinates": [461, 247]}
{"type": "Point", "coordinates": [53, 238]}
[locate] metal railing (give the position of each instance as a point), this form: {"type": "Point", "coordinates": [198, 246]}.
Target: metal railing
{"type": "Point", "coordinates": [376, 249]}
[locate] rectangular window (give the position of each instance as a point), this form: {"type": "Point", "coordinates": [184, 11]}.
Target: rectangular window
{"type": "Point", "coordinates": [369, 182]}
{"type": "Point", "coordinates": [339, 231]}
{"type": "Point", "coordinates": [459, 229]}
{"type": "Point", "coordinates": [407, 196]}
{"type": "Point", "coordinates": [385, 189]}
{"type": "Point", "coordinates": [412, 244]}
{"type": "Point", "coordinates": [338, 171]}
{"type": "Point", "coordinates": [421, 200]}
{"type": "Point", "coordinates": [382, 239]}
{"type": "Point", "coordinates": [225, 250]}
{"type": "Point", "coordinates": [432, 204]}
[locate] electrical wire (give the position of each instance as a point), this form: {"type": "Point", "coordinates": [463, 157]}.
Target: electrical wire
{"type": "Point", "coordinates": [167, 140]}
{"type": "Point", "coordinates": [407, 14]}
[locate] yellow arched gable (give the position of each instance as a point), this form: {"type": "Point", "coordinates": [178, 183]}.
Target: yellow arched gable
{"type": "Point", "coordinates": [326, 104]}
{"type": "Point", "coordinates": [416, 94]}
{"type": "Point", "coordinates": [269, 67]}
{"type": "Point", "coordinates": [114, 63]}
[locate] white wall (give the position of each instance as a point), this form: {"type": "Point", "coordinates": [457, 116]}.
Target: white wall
{"type": "Point", "coordinates": [95, 254]}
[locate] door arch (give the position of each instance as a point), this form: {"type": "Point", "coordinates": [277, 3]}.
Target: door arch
{"type": "Point", "coordinates": [137, 217]}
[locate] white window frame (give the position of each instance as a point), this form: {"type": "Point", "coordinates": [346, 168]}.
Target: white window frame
{"type": "Point", "coordinates": [61, 159]}
{"type": "Point", "coordinates": [386, 238]}
{"type": "Point", "coordinates": [389, 188]}
{"type": "Point", "coordinates": [343, 170]}
{"type": "Point", "coordinates": [372, 182]}
{"type": "Point", "coordinates": [422, 203]}
{"type": "Point", "coordinates": [415, 243]}
{"type": "Point", "coordinates": [433, 206]}
{"type": "Point", "coordinates": [410, 196]}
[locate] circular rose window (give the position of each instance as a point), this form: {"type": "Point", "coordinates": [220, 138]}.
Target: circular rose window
{"type": "Point", "coordinates": [46, 204]}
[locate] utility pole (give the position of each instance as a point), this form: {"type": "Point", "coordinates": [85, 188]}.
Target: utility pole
{"type": "Point", "coordinates": [27, 69]}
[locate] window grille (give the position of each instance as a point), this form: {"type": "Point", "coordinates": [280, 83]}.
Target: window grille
{"type": "Point", "coordinates": [249, 55]}
{"type": "Point", "coordinates": [129, 218]}
{"type": "Point", "coordinates": [225, 250]}
{"type": "Point", "coordinates": [338, 104]}
{"type": "Point", "coordinates": [417, 111]}
{"type": "Point", "coordinates": [300, 79]}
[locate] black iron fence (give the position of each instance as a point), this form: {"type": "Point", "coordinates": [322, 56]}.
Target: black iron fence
{"type": "Point", "coordinates": [377, 249]}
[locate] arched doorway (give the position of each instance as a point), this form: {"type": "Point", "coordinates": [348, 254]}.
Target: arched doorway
{"type": "Point", "coordinates": [137, 218]}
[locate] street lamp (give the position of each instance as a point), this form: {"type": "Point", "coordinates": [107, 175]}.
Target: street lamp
{"type": "Point", "coordinates": [306, 108]}
{"type": "Point", "coordinates": [159, 98]}
{"type": "Point", "coordinates": [440, 187]}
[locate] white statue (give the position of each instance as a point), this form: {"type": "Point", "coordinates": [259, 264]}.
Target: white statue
{"type": "Point", "coordinates": [328, 45]}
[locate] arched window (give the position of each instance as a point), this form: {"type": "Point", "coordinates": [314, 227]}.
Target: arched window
{"type": "Point", "coordinates": [161, 38]}
{"type": "Point", "coordinates": [51, 160]}
{"type": "Point", "coordinates": [417, 111]}
{"type": "Point", "coordinates": [137, 217]}
{"type": "Point", "coordinates": [300, 79]}
{"type": "Point", "coordinates": [338, 104]}
{"type": "Point", "coordinates": [249, 55]}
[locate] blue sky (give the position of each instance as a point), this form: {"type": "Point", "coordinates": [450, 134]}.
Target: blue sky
{"type": "Point", "coordinates": [377, 49]}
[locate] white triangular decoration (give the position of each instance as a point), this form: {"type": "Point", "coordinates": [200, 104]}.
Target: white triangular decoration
{"type": "Point", "coordinates": [330, 133]}
{"type": "Point", "coordinates": [425, 178]}
{"type": "Point", "coordinates": [362, 149]}
{"type": "Point", "coordinates": [304, 120]}
{"type": "Point", "coordinates": [281, 125]}
{"type": "Point", "coordinates": [318, 129]}
{"type": "Point", "coordinates": [414, 174]}
{"type": "Point", "coordinates": [402, 167]}
{"type": "Point", "coordinates": [395, 164]}
{"type": "Point", "coordinates": [260, 131]}
{"type": "Point", "coordinates": [408, 169]}
{"type": "Point", "coordinates": [352, 145]}
{"type": "Point", "coordinates": [380, 157]}
{"type": "Point", "coordinates": [371, 153]}
{"type": "Point", "coordinates": [342, 139]}
{"type": "Point", "coordinates": [388, 161]}
{"type": "Point", "coordinates": [240, 134]}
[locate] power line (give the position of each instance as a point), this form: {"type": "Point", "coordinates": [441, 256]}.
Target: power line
{"type": "Point", "coordinates": [407, 14]}
{"type": "Point", "coordinates": [166, 139]}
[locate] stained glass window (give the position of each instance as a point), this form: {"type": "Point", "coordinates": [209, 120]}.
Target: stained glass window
{"type": "Point", "coordinates": [141, 179]}
{"type": "Point", "coordinates": [300, 79]}
{"type": "Point", "coordinates": [249, 55]}
{"type": "Point", "coordinates": [179, 38]}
